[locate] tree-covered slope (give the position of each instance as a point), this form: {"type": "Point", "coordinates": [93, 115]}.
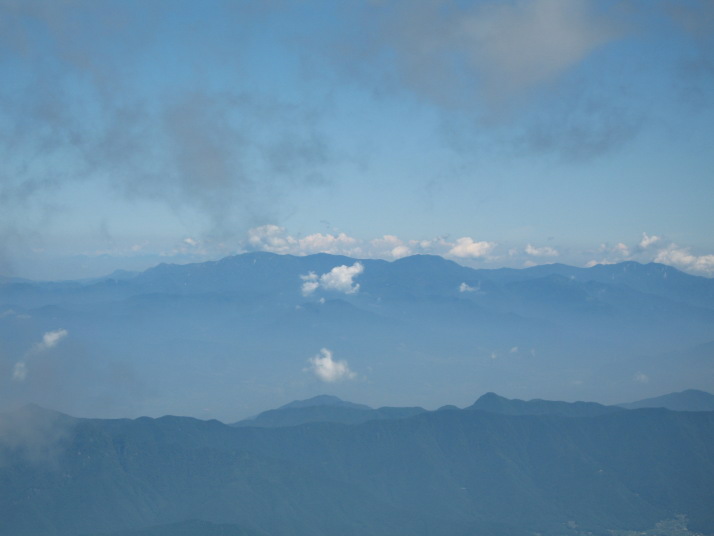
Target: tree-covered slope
{"type": "Point", "coordinates": [452, 472]}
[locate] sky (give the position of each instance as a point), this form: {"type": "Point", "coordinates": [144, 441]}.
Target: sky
{"type": "Point", "coordinates": [505, 133]}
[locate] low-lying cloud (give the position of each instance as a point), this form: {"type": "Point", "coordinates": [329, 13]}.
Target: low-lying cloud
{"type": "Point", "coordinates": [328, 369]}
{"type": "Point", "coordinates": [654, 248]}
{"type": "Point", "coordinates": [681, 257]}
{"type": "Point", "coordinates": [50, 339]}
{"type": "Point", "coordinates": [465, 287]}
{"type": "Point", "coordinates": [339, 279]}
{"type": "Point", "coordinates": [33, 435]}
{"type": "Point", "coordinates": [465, 250]}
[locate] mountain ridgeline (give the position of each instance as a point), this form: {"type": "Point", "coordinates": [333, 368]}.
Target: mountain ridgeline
{"type": "Point", "coordinates": [418, 328]}
{"type": "Point", "coordinates": [499, 467]}
{"type": "Point", "coordinates": [689, 400]}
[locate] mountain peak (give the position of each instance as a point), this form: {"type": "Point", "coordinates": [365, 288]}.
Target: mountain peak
{"type": "Point", "coordinates": [491, 402]}
{"type": "Point", "coordinates": [323, 400]}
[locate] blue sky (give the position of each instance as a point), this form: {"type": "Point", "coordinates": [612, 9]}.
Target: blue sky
{"type": "Point", "coordinates": [494, 133]}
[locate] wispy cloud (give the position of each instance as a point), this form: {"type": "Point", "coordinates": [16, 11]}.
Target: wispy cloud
{"type": "Point", "coordinates": [328, 369]}
{"type": "Point", "coordinates": [10, 313]}
{"type": "Point", "coordinates": [641, 377]}
{"type": "Point", "coordinates": [545, 251]}
{"type": "Point", "coordinates": [50, 339]}
{"type": "Point", "coordinates": [391, 246]}
{"type": "Point", "coordinates": [648, 240]}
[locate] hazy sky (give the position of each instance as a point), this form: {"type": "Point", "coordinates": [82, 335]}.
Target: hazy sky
{"type": "Point", "coordinates": [495, 133]}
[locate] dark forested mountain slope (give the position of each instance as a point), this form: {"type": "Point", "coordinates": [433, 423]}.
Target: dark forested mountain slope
{"type": "Point", "coordinates": [454, 472]}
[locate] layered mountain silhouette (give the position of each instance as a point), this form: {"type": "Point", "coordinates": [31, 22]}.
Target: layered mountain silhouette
{"type": "Point", "coordinates": [325, 408]}
{"type": "Point", "coordinates": [418, 328]}
{"type": "Point", "coordinates": [497, 404]}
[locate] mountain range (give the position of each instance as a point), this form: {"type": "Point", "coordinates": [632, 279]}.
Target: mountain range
{"type": "Point", "coordinates": [227, 338]}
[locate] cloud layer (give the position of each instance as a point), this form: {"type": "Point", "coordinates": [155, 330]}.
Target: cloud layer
{"type": "Point", "coordinates": [466, 250]}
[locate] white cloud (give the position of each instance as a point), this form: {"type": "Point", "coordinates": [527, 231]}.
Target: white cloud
{"type": "Point", "coordinates": [311, 284]}
{"type": "Point", "coordinates": [465, 287]}
{"type": "Point", "coordinates": [514, 350]}
{"type": "Point", "coordinates": [340, 244]}
{"type": "Point", "coordinates": [190, 241]}
{"type": "Point", "coordinates": [647, 241]}
{"type": "Point", "coordinates": [400, 251]}
{"type": "Point", "coordinates": [603, 262]}
{"type": "Point", "coordinates": [329, 370]}
{"type": "Point", "coordinates": [50, 339]}
{"type": "Point", "coordinates": [276, 239]}
{"type": "Point", "coordinates": [390, 246]}
{"type": "Point", "coordinates": [545, 251]}
{"type": "Point", "coordinates": [339, 279]}
{"type": "Point", "coordinates": [465, 247]}
{"type": "Point", "coordinates": [271, 238]}
{"type": "Point", "coordinates": [682, 258]}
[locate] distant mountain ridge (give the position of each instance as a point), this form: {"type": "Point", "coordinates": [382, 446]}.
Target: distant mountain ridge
{"type": "Point", "coordinates": [325, 408]}
{"type": "Point", "coordinates": [329, 408]}
{"type": "Point", "coordinates": [563, 331]}
{"type": "Point", "coordinates": [689, 400]}
{"type": "Point", "coordinates": [323, 400]}
{"type": "Point", "coordinates": [491, 402]}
